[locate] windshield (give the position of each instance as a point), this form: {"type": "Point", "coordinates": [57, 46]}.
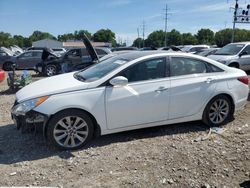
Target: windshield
{"type": "Point", "coordinates": [230, 49]}
{"type": "Point", "coordinates": [99, 70]}
{"type": "Point", "coordinates": [186, 48]}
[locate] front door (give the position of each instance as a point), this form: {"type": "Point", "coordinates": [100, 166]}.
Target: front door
{"type": "Point", "coordinates": [144, 100]}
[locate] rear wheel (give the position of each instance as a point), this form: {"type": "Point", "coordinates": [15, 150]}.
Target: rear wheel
{"type": "Point", "coordinates": [70, 130]}
{"type": "Point", "coordinates": [218, 111]}
{"type": "Point", "coordinates": [7, 66]}
{"type": "Point", "coordinates": [51, 70]}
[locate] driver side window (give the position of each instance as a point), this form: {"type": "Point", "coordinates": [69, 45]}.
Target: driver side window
{"type": "Point", "coordinates": [146, 70]}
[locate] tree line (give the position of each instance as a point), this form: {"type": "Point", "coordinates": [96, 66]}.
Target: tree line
{"type": "Point", "coordinates": [102, 35]}
{"type": "Point", "coordinates": [155, 39]}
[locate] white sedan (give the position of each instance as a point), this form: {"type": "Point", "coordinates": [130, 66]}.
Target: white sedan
{"type": "Point", "coordinates": [131, 91]}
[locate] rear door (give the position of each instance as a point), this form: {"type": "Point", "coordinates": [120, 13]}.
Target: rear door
{"type": "Point", "coordinates": [245, 59]}
{"type": "Point", "coordinates": [191, 85]}
{"type": "Point", "coordinates": [144, 100]}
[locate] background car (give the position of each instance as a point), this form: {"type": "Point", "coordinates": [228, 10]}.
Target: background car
{"type": "Point", "coordinates": [74, 59]}
{"type": "Point", "coordinates": [26, 60]}
{"type": "Point", "coordinates": [59, 51]}
{"type": "Point", "coordinates": [234, 55]}
{"type": "Point", "coordinates": [194, 48]}
{"type": "Point", "coordinates": [207, 52]}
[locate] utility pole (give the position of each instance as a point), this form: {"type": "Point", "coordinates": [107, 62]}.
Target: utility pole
{"type": "Point", "coordinates": [138, 32]}
{"type": "Point", "coordinates": [235, 19]}
{"type": "Point", "coordinates": [143, 33]}
{"type": "Point", "coordinates": [166, 24]}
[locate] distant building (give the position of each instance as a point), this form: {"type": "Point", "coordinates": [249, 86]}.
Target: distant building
{"type": "Point", "coordinates": [49, 43]}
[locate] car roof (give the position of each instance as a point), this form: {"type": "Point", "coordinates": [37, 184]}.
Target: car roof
{"type": "Point", "coordinates": [34, 51]}
{"type": "Point", "coordinates": [137, 54]}
{"type": "Point", "coordinates": [246, 42]}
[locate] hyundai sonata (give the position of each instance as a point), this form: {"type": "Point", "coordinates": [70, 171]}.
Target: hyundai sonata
{"type": "Point", "coordinates": [131, 91]}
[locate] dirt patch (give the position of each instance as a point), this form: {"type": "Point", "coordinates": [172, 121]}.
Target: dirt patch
{"type": "Point", "coordinates": [166, 156]}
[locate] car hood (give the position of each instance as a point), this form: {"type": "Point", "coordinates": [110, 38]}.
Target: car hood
{"type": "Point", "coordinates": [221, 57]}
{"type": "Point", "coordinates": [49, 86]}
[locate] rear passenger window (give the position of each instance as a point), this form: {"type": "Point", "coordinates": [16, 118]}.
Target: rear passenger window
{"type": "Point", "coordinates": [184, 66]}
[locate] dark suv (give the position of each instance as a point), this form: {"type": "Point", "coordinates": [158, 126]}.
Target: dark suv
{"type": "Point", "coordinates": [74, 59]}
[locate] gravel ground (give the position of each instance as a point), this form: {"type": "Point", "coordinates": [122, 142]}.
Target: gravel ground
{"type": "Point", "coordinates": [166, 156]}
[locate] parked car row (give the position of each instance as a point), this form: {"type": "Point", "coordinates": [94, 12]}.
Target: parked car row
{"type": "Point", "coordinates": [46, 62]}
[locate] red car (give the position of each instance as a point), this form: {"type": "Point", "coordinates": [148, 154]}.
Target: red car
{"type": "Point", "coordinates": [2, 75]}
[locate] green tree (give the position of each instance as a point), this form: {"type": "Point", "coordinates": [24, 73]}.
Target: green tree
{"type": "Point", "coordinates": [18, 40]}
{"type": "Point", "coordinates": [105, 35]}
{"type": "Point", "coordinates": [188, 39]}
{"type": "Point", "coordinates": [155, 39]}
{"type": "Point", "coordinates": [66, 37]}
{"type": "Point", "coordinates": [79, 34]}
{"type": "Point", "coordinates": [174, 37]}
{"type": "Point", "coordinates": [39, 35]}
{"type": "Point", "coordinates": [223, 37]}
{"type": "Point", "coordinates": [138, 42]}
{"type": "Point", "coordinates": [205, 36]}
{"type": "Point", "coordinates": [5, 39]}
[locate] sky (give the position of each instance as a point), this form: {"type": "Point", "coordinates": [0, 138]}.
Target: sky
{"type": "Point", "coordinates": [123, 17]}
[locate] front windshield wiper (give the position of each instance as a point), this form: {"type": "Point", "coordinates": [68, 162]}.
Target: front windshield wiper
{"type": "Point", "coordinates": [79, 77]}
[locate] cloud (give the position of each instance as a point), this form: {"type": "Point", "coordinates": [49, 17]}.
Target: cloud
{"type": "Point", "coordinates": [116, 3]}
{"type": "Point", "coordinates": [212, 7]}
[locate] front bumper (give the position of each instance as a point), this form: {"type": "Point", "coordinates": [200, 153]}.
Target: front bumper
{"type": "Point", "coordinates": [32, 121]}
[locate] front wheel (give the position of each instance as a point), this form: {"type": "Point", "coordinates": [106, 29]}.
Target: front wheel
{"type": "Point", "coordinates": [7, 66]}
{"type": "Point", "coordinates": [218, 111]}
{"type": "Point", "coordinates": [69, 130]}
{"type": "Point", "coordinates": [51, 70]}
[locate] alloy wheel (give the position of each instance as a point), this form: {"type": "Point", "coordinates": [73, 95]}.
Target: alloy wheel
{"type": "Point", "coordinates": [219, 111]}
{"type": "Point", "coordinates": [51, 71]}
{"type": "Point", "coordinates": [71, 131]}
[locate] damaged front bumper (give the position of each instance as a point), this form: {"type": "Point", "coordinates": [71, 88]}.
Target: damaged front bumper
{"type": "Point", "coordinates": [32, 121]}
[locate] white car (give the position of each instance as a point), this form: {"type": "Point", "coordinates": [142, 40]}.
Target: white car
{"type": "Point", "coordinates": [131, 91]}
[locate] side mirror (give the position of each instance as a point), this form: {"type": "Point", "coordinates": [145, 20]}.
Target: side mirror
{"type": "Point", "coordinates": [243, 53]}
{"type": "Point", "coordinates": [119, 81]}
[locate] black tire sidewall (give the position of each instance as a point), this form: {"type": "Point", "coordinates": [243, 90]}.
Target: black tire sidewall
{"type": "Point", "coordinates": [71, 112]}
{"type": "Point", "coordinates": [206, 118]}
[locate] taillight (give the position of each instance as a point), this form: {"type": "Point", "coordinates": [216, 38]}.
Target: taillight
{"type": "Point", "coordinates": [244, 79]}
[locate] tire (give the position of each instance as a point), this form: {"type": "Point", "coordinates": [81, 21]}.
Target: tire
{"type": "Point", "coordinates": [50, 70]}
{"type": "Point", "coordinates": [69, 130]}
{"type": "Point", "coordinates": [223, 114]}
{"type": "Point", "coordinates": [7, 66]}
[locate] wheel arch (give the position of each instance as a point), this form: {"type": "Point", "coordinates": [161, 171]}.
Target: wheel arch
{"type": "Point", "coordinates": [97, 128]}
{"type": "Point", "coordinates": [234, 63]}
{"type": "Point", "coordinates": [230, 97]}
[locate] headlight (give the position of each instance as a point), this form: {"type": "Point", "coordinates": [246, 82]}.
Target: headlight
{"type": "Point", "coordinates": [24, 107]}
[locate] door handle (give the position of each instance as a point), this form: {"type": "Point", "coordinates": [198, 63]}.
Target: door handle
{"type": "Point", "coordinates": [160, 89]}
{"type": "Point", "coordinates": [209, 80]}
